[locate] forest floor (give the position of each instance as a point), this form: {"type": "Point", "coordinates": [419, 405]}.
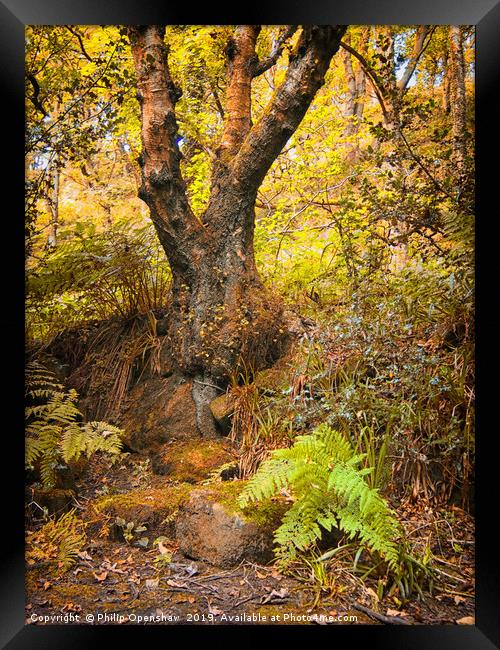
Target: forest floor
{"type": "Point", "coordinates": [120, 582]}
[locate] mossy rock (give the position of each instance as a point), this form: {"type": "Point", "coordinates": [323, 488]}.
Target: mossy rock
{"type": "Point", "coordinates": [213, 528]}
{"type": "Point", "coordinates": [192, 461]}
{"type": "Point", "coordinates": [273, 379]}
{"type": "Point", "coordinates": [159, 410]}
{"type": "Point", "coordinates": [154, 508]}
{"type": "Point", "coordinates": [222, 408]}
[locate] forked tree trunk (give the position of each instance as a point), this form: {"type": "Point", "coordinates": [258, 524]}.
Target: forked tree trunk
{"type": "Point", "coordinates": [221, 315]}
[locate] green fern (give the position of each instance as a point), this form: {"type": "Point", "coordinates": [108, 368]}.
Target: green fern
{"type": "Point", "coordinates": [54, 433]}
{"type": "Point", "coordinates": [91, 437]}
{"type": "Point", "coordinates": [330, 489]}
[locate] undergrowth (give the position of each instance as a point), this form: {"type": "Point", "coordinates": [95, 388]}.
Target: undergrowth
{"type": "Point", "coordinates": [93, 275]}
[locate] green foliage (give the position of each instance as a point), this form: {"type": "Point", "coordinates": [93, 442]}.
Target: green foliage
{"type": "Point", "coordinates": [330, 490]}
{"type": "Point", "coordinates": [96, 275]}
{"type": "Point", "coordinates": [390, 361]}
{"type": "Point", "coordinates": [54, 432]}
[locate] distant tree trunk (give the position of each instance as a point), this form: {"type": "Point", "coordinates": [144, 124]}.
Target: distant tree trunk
{"type": "Point", "coordinates": [458, 104]}
{"type": "Point", "coordinates": [221, 314]}
{"type": "Point", "coordinates": [446, 85]}
{"type": "Point", "coordinates": [382, 76]}
{"type": "Point", "coordinates": [355, 99]}
{"type": "Point", "coordinates": [53, 201]}
{"type": "Point", "coordinates": [53, 194]}
{"type": "Point", "coordinates": [392, 92]}
{"type": "Point", "coordinates": [392, 89]}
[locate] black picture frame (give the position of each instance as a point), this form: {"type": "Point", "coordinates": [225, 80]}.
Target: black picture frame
{"type": "Point", "coordinates": [14, 15]}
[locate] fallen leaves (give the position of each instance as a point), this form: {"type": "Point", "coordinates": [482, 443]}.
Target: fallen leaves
{"type": "Point", "coordinates": [163, 549]}
{"type": "Point", "coordinates": [83, 555]}
{"type": "Point", "coordinates": [395, 612]}
{"type": "Point", "coordinates": [71, 607]}
{"type": "Point", "coordinates": [466, 620]}
{"type": "Point", "coordinates": [275, 595]}
{"type": "Point", "coordinates": [178, 585]}
{"type": "Point", "coordinates": [100, 577]}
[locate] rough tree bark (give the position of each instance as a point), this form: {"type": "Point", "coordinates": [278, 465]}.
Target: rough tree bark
{"type": "Point", "coordinates": [459, 103]}
{"type": "Point", "coordinates": [221, 315]}
{"type": "Point", "coordinates": [355, 98]}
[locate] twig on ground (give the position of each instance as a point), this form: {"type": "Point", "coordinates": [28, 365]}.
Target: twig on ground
{"type": "Point", "coordinates": [395, 620]}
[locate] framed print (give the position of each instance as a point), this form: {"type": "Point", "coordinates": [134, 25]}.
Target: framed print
{"type": "Point", "coordinates": [252, 274]}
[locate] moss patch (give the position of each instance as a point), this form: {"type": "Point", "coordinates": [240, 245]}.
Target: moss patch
{"type": "Point", "coordinates": [155, 507]}
{"type": "Point", "coordinates": [268, 512]}
{"type": "Point", "coordinates": [195, 460]}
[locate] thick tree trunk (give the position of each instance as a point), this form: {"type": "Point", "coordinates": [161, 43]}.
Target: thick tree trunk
{"type": "Point", "coordinates": [222, 318]}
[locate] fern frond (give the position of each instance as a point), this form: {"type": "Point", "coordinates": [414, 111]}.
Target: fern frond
{"type": "Point", "coordinates": [328, 482]}
{"type": "Point", "coordinates": [273, 475]}
{"type": "Point", "coordinates": [54, 434]}
{"type": "Point", "coordinates": [59, 541]}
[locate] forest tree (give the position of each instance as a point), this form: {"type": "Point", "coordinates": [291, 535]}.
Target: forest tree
{"type": "Point", "coordinates": [221, 314]}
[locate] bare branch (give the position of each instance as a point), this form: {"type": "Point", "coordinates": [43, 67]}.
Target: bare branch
{"type": "Point", "coordinates": [418, 49]}
{"type": "Point", "coordinates": [275, 54]}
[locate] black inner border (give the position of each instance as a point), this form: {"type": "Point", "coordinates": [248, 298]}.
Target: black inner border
{"type": "Point", "coordinates": [14, 14]}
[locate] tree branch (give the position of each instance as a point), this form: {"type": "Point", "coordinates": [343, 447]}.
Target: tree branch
{"type": "Point", "coordinates": [163, 188]}
{"type": "Point", "coordinates": [35, 99]}
{"type": "Point", "coordinates": [376, 83]}
{"type": "Point", "coordinates": [422, 166]}
{"type": "Point", "coordinates": [213, 90]}
{"type": "Point", "coordinates": [305, 74]}
{"type": "Point", "coordinates": [241, 59]}
{"type": "Point", "coordinates": [276, 51]}
{"type": "Point", "coordinates": [80, 41]}
{"type": "Point", "coordinates": [418, 49]}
